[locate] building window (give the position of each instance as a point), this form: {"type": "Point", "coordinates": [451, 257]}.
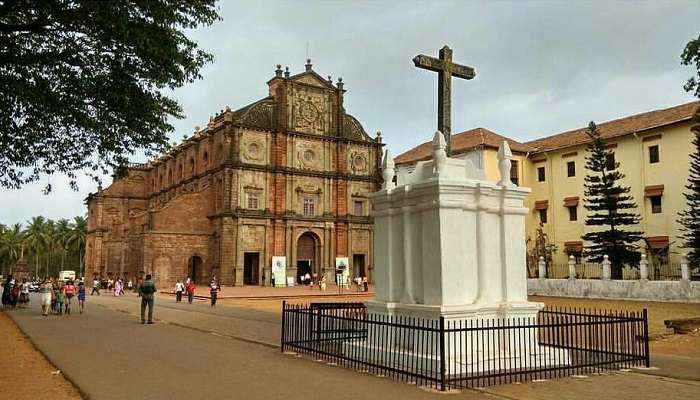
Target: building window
{"type": "Point", "coordinates": [653, 154]}
{"type": "Point", "coordinates": [573, 213]}
{"type": "Point", "coordinates": [655, 204]}
{"type": "Point", "coordinates": [570, 169]}
{"type": "Point", "coordinates": [253, 200]}
{"type": "Point", "coordinates": [610, 161]}
{"type": "Point", "coordinates": [205, 158]}
{"type": "Point", "coordinates": [514, 173]}
{"type": "Point", "coordinates": [309, 207]}
{"type": "Point", "coordinates": [540, 174]}
{"type": "Point", "coordinates": [543, 216]}
{"type": "Point", "coordinates": [359, 207]}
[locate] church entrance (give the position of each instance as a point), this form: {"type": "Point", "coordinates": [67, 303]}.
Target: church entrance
{"type": "Point", "coordinates": [251, 268]}
{"type": "Point", "coordinates": [307, 256]}
{"type": "Point", "coordinates": [358, 266]}
{"type": "Point", "coordinates": [194, 268]}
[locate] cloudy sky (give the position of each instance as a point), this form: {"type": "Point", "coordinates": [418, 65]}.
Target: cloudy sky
{"type": "Point", "coordinates": [542, 67]}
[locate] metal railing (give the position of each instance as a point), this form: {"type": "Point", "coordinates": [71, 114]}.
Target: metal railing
{"type": "Point", "coordinates": [467, 352]}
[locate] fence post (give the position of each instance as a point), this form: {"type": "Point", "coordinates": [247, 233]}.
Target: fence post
{"type": "Point", "coordinates": [644, 268]}
{"type": "Point", "coordinates": [606, 267]}
{"type": "Point", "coordinates": [646, 338]}
{"type": "Point", "coordinates": [685, 270]}
{"type": "Point", "coordinates": [542, 268]}
{"type": "Point", "coordinates": [442, 354]}
{"type": "Point", "coordinates": [284, 314]}
{"type": "Point", "coordinates": [572, 267]}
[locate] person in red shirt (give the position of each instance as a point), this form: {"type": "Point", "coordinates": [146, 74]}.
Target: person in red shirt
{"type": "Point", "coordinates": [190, 288]}
{"type": "Point", "coordinates": [69, 290]}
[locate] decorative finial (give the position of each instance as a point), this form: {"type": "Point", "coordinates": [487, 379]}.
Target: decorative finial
{"type": "Point", "coordinates": [340, 83]}
{"type": "Point", "coordinates": [228, 108]}
{"type": "Point", "coordinates": [388, 171]}
{"type": "Point", "coordinates": [379, 137]}
{"type": "Point", "coordinates": [278, 71]}
{"type": "Point", "coordinates": [439, 153]}
{"type": "Point", "coordinates": [504, 156]}
{"type": "Point", "coordinates": [286, 72]}
{"type": "Point", "coordinates": [308, 65]}
{"type": "Point", "coordinates": [330, 80]}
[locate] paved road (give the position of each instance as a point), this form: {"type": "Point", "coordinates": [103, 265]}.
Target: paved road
{"type": "Point", "coordinates": [109, 355]}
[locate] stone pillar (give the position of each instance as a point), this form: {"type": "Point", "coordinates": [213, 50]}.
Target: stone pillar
{"type": "Point", "coordinates": [685, 269]}
{"type": "Point", "coordinates": [542, 267]}
{"type": "Point", "coordinates": [606, 268]}
{"type": "Point", "coordinates": [572, 267]}
{"type": "Point", "coordinates": [644, 268]}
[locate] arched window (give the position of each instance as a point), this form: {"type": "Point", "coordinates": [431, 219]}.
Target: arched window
{"type": "Point", "coordinates": [170, 177]}
{"type": "Point", "coordinates": [191, 166]}
{"type": "Point", "coordinates": [205, 159]}
{"type": "Point", "coordinates": [179, 176]}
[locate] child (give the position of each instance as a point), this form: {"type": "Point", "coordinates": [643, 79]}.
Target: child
{"type": "Point", "coordinates": [60, 299]}
{"type": "Point", "coordinates": [81, 296]}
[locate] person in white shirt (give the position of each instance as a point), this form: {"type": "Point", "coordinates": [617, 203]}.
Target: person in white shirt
{"type": "Point", "coordinates": [179, 288]}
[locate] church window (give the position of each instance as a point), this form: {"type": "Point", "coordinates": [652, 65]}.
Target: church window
{"type": "Point", "coordinates": [253, 200]}
{"type": "Point", "coordinates": [655, 204]}
{"type": "Point", "coordinates": [179, 174]}
{"type": "Point", "coordinates": [540, 174]}
{"type": "Point", "coordinates": [205, 158]}
{"type": "Point", "coordinates": [570, 169]}
{"type": "Point", "coordinates": [653, 154]}
{"type": "Point", "coordinates": [514, 172]}
{"type": "Point", "coordinates": [359, 207]}
{"type": "Point", "coordinates": [191, 166]}
{"type": "Point", "coordinates": [309, 207]}
{"type": "Point", "coordinates": [543, 216]}
{"type": "Point", "coordinates": [573, 213]}
{"type": "Point", "coordinates": [610, 161]}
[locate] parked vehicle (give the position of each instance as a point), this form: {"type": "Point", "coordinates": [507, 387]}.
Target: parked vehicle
{"type": "Point", "coordinates": [66, 275]}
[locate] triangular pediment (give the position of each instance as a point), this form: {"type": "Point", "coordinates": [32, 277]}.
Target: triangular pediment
{"type": "Point", "coordinates": [313, 79]}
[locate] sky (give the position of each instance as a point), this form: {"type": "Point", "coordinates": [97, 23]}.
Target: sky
{"type": "Point", "coordinates": [542, 67]}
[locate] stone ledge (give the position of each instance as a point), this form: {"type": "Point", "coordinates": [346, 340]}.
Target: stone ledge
{"type": "Point", "coordinates": [671, 291]}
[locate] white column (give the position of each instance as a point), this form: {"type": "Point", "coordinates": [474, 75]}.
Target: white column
{"type": "Point", "coordinates": [542, 266]}
{"type": "Point", "coordinates": [685, 270]}
{"type": "Point", "coordinates": [644, 268]}
{"type": "Point", "coordinates": [572, 267]}
{"type": "Point", "coordinates": [606, 268]}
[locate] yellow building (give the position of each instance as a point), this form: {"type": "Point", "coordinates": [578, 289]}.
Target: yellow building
{"type": "Point", "coordinates": [653, 150]}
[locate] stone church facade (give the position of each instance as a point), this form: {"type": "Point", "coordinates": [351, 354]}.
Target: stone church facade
{"type": "Point", "coordinates": [286, 176]}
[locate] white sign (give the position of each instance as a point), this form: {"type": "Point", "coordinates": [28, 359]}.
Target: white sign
{"type": "Point", "coordinates": [290, 281]}
{"type": "Point", "coordinates": [342, 270]}
{"type": "Point", "coordinates": [279, 270]}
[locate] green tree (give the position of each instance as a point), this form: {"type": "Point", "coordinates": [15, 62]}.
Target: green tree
{"type": "Point", "coordinates": [691, 56]}
{"type": "Point", "coordinates": [35, 239]}
{"type": "Point", "coordinates": [607, 200]}
{"type": "Point", "coordinates": [63, 229]}
{"type": "Point", "coordinates": [82, 83]}
{"type": "Point", "coordinates": [10, 245]}
{"type": "Point", "coordinates": [75, 240]}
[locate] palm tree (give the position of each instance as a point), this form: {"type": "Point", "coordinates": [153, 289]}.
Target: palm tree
{"type": "Point", "coordinates": [35, 239]}
{"type": "Point", "coordinates": [63, 229]}
{"type": "Point", "coordinates": [75, 239]}
{"type": "Point", "coordinates": [10, 243]}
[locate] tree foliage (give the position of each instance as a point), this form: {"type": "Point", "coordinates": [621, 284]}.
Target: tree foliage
{"type": "Point", "coordinates": [691, 56]}
{"type": "Point", "coordinates": [606, 201]}
{"type": "Point", "coordinates": [82, 83]}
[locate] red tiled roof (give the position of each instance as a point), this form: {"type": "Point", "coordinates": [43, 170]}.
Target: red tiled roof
{"type": "Point", "coordinates": [462, 142]}
{"type": "Point", "coordinates": [618, 127]}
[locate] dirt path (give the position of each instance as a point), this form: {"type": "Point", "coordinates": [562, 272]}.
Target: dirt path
{"type": "Point", "coordinates": [27, 374]}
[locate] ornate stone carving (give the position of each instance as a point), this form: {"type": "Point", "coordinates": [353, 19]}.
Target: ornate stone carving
{"type": "Point", "coordinates": [309, 110]}
{"type": "Point", "coordinates": [258, 115]}
{"type": "Point", "coordinates": [309, 155]}
{"type": "Point", "coordinates": [357, 162]}
{"type": "Point", "coordinates": [253, 150]}
{"type": "Point", "coordinates": [352, 129]}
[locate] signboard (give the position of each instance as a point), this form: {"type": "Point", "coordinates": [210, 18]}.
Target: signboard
{"type": "Point", "coordinates": [290, 281]}
{"type": "Point", "coordinates": [342, 270]}
{"type": "Point", "coordinates": [279, 270]}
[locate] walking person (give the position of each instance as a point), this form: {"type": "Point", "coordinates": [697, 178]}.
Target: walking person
{"type": "Point", "coordinates": [46, 290]}
{"type": "Point", "coordinates": [179, 288]}
{"type": "Point", "coordinates": [147, 291]}
{"type": "Point", "coordinates": [190, 288]}
{"type": "Point", "coordinates": [213, 291]}
{"type": "Point", "coordinates": [81, 296]}
{"type": "Point", "coordinates": [117, 288]}
{"type": "Point", "coordinates": [95, 287]}
{"type": "Point", "coordinates": [60, 299]}
{"type": "Point", "coordinates": [24, 295]}
{"type": "Point", "coordinates": [69, 290]}
{"type": "Point", "coordinates": [14, 295]}
{"type": "Point", "coordinates": [7, 291]}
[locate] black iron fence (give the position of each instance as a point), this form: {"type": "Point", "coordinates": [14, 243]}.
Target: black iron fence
{"type": "Point", "coordinates": [467, 352]}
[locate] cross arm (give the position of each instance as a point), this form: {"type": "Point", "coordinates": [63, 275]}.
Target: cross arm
{"type": "Point", "coordinates": [429, 63]}
{"type": "Point", "coordinates": [462, 71]}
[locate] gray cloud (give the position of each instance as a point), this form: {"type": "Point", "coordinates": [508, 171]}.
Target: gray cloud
{"type": "Point", "coordinates": [542, 67]}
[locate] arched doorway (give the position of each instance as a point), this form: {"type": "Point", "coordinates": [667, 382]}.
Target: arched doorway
{"type": "Point", "coordinates": [194, 268]}
{"type": "Point", "coordinates": [307, 256]}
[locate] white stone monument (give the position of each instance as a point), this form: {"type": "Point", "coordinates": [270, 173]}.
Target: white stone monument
{"type": "Point", "coordinates": [448, 243]}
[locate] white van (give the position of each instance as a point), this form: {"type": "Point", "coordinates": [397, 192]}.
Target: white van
{"type": "Point", "coordinates": [66, 275]}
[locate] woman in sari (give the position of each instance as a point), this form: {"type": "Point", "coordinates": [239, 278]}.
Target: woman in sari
{"type": "Point", "coordinates": [118, 287]}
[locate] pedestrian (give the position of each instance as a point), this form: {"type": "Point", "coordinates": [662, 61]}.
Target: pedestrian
{"type": "Point", "coordinates": [190, 288]}
{"type": "Point", "coordinates": [147, 291]}
{"type": "Point", "coordinates": [46, 290]}
{"type": "Point", "coordinates": [60, 299]}
{"type": "Point", "coordinates": [179, 288]}
{"type": "Point", "coordinates": [7, 291]}
{"type": "Point", "coordinates": [14, 295]}
{"type": "Point", "coordinates": [307, 278]}
{"type": "Point", "coordinates": [130, 285]}
{"type": "Point", "coordinates": [117, 288]}
{"type": "Point", "coordinates": [81, 296]}
{"type": "Point", "coordinates": [365, 284]}
{"type": "Point", "coordinates": [213, 291]}
{"type": "Point", "coordinates": [95, 286]}
{"type": "Point", "coordinates": [272, 280]}
{"type": "Point", "coordinates": [24, 295]}
{"type": "Point", "coordinates": [323, 283]}
{"type": "Point", "coordinates": [69, 290]}
{"type": "Point", "coordinates": [121, 287]}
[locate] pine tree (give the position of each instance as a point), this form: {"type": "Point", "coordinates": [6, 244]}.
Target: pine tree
{"type": "Point", "coordinates": [690, 217]}
{"type": "Point", "coordinates": [605, 201]}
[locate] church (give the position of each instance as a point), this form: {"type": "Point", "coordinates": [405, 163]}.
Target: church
{"type": "Point", "coordinates": [285, 177]}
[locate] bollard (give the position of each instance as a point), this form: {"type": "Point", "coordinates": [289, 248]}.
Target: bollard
{"type": "Point", "coordinates": [685, 269]}
{"type": "Point", "coordinates": [606, 268]}
{"type": "Point", "coordinates": [572, 267]}
{"type": "Point", "coordinates": [542, 268]}
{"type": "Point", "coordinates": [644, 268]}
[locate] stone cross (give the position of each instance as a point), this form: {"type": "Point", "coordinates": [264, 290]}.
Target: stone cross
{"type": "Point", "coordinates": [445, 69]}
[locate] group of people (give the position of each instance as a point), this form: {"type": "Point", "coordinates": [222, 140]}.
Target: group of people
{"type": "Point", "coordinates": [189, 287]}
{"type": "Point", "coordinates": [14, 293]}
{"type": "Point", "coordinates": [57, 296]}
{"type": "Point", "coordinates": [118, 286]}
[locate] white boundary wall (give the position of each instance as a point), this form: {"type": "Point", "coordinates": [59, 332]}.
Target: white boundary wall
{"type": "Point", "coordinates": [672, 291]}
